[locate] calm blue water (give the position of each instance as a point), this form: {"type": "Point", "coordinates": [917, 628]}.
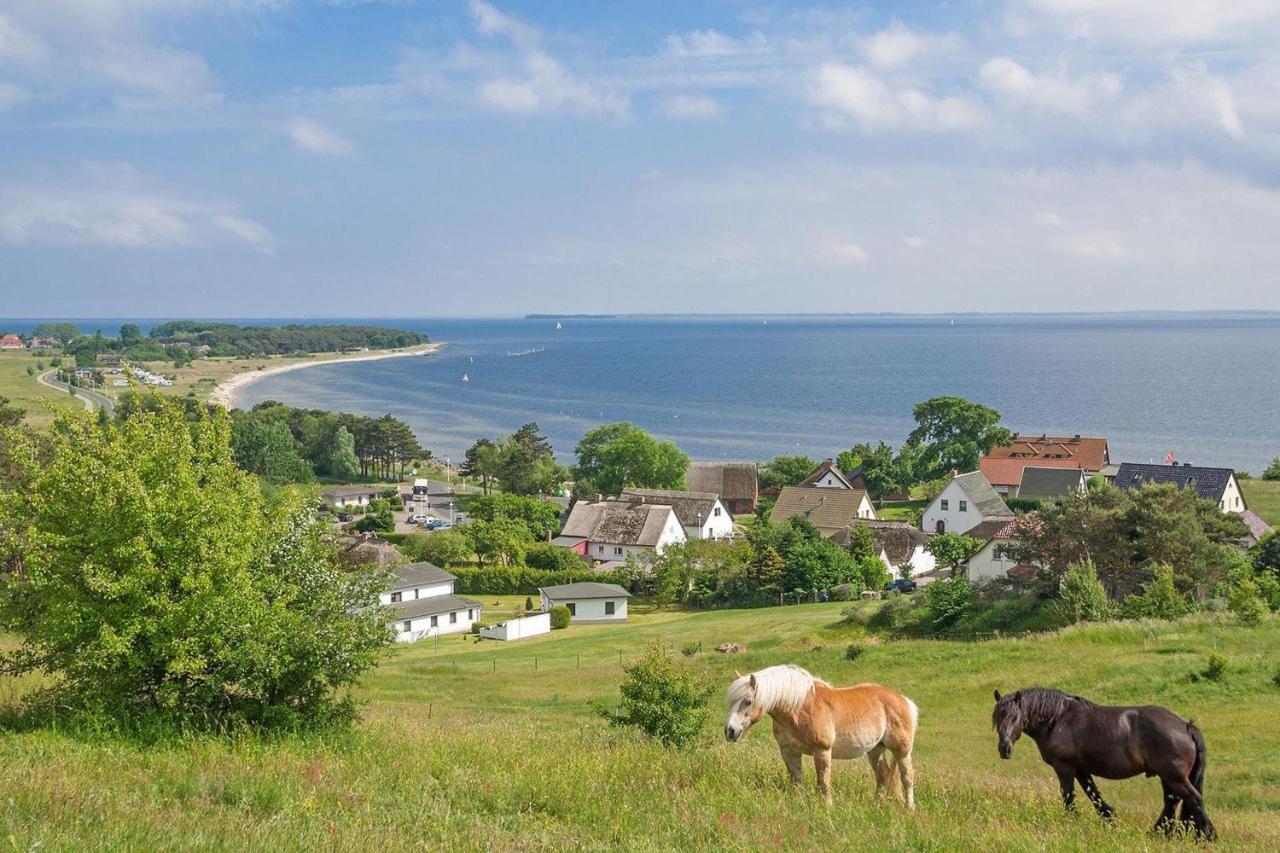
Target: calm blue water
{"type": "Point", "coordinates": [1205, 387]}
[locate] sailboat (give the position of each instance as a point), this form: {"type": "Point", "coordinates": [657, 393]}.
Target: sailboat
{"type": "Point", "coordinates": [558, 326]}
{"type": "Point", "coordinates": [466, 378]}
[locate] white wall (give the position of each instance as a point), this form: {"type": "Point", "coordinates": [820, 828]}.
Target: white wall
{"type": "Point", "coordinates": [830, 481]}
{"type": "Point", "coordinates": [866, 509]}
{"type": "Point", "coordinates": [421, 626]}
{"type": "Point", "coordinates": [921, 561]}
{"type": "Point", "coordinates": [988, 564]}
{"type": "Point", "coordinates": [591, 609]}
{"type": "Point", "coordinates": [345, 501]}
{"type": "Point", "coordinates": [717, 526]}
{"type": "Point", "coordinates": [1232, 500]}
{"type": "Point", "coordinates": [956, 519]}
{"type": "Point", "coordinates": [515, 629]}
{"type": "Point", "coordinates": [672, 533]}
{"type": "Point", "coordinates": [414, 593]}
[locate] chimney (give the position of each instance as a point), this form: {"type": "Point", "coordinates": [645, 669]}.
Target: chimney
{"type": "Point", "coordinates": [1077, 438]}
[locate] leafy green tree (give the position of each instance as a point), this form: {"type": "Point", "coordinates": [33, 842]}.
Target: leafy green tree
{"type": "Point", "coordinates": [378, 518]}
{"type": "Point", "coordinates": [1245, 600]}
{"type": "Point", "coordinates": [785, 471]}
{"type": "Point", "coordinates": [880, 470]}
{"type": "Point", "coordinates": [130, 335]}
{"type": "Point", "coordinates": [948, 600]}
{"type": "Point", "coordinates": [1081, 596]}
{"type": "Point", "coordinates": [1273, 470]}
{"type": "Point", "coordinates": [526, 464]}
{"type": "Point", "coordinates": [483, 462]}
{"type": "Point", "coordinates": [862, 542]}
{"type": "Point", "coordinates": [268, 450]}
{"type": "Point", "coordinates": [1159, 598]}
{"type": "Point", "coordinates": [953, 549]}
{"type": "Point", "coordinates": [620, 455]}
{"type": "Point", "coordinates": [156, 582]}
{"type": "Point", "coordinates": [768, 573]}
{"type": "Point", "coordinates": [443, 548]}
{"type": "Point", "coordinates": [540, 517]}
{"type": "Point", "coordinates": [1266, 554]}
{"type": "Point", "coordinates": [65, 332]}
{"type": "Point", "coordinates": [343, 464]}
{"type": "Point", "coordinates": [662, 698]}
{"type": "Point", "coordinates": [503, 540]}
{"type": "Point", "coordinates": [544, 555]}
{"type": "Point", "coordinates": [954, 434]}
{"type": "Point", "coordinates": [10, 415]}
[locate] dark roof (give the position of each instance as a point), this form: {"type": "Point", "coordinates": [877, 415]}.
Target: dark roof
{"type": "Point", "coordinates": [365, 549]}
{"type": "Point", "coordinates": [828, 467]}
{"type": "Point", "coordinates": [1258, 526]}
{"type": "Point", "coordinates": [618, 522]}
{"type": "Point", "coordinates": [430, 605]}
{"type": "Point", "coordinates": [981, 495]}
{"type": "Point", "coordinates": [830, 510]}
{"type": "Point", "coordinates": [1209, 483]}
{"type": "Point", "coordinates": [1092, 453]}
{"type": "Point", "coordinates": [897, 539]}
{"type": "Point", "coordinates": [732, 481]}
{"type": "Point", "coordinates": [348, 491]}
{"type": "Point", "coordinates": [419, 574]}
{"type": "Point", "coordinates": [688, 505]}
{"type": "Point", "coordinates": [1042, 483]}
{"type": "Point", "coordinates": [584, 589]}
{"type": "Point", "coordinates": [1008, 472]}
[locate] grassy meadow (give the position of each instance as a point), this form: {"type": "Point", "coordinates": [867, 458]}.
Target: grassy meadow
{"type": "Point", "coordinates": [39, 401]}
{"type": "Point", "coordinates": [490, 745]}
{"type": "Point", "coordinates": [1263, 497]}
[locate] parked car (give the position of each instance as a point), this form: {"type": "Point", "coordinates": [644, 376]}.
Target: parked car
{"type": "Point", "coordinates": [435, 523]}
{"type": "Point", "coordinates": [901, 585]}
{"type": "Point", "coordinates": [419, 518]}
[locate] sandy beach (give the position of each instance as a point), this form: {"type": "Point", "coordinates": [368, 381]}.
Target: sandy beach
{"type": "Point", "coordinates": [228, 392]}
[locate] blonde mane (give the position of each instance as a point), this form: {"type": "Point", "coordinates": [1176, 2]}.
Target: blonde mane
{"type": "Point", "coordinates": [778, 688]}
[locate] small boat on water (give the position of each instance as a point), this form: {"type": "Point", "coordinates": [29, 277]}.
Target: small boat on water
{"type": "Point", "coordinates": [466, 378]}
{"type": "Point", "coordinates": [558, 326]}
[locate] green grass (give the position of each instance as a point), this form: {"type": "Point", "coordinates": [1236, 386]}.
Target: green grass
{"type": "Point", "coordinates": [469, 745]}
{"type": "Point", "coordinates": [38, 401]}
{"type": "Point", "coordinates": [900, 510]}
{"type": "Point", "coordinates": [1263, 497]}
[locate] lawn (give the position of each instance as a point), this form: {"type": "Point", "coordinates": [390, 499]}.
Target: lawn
{"type": "Point", "coordinates": [490, 745]}
{"type": "Point", "coordinates": [26, 393]}
{"type": "Point", "coordinates": [1263, 497]}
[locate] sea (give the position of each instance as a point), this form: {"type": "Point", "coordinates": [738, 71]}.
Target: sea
{"type": "Point", "coordinates": [1204, 387]}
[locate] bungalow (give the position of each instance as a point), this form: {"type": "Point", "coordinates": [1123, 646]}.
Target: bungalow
{"type": "Point", "coordinates": [1090, 454]}
{"type": "Point", "coordinates": [342, 497]}
{"type": "Point", "coordinates": [110, 359]}
{"type": "Point", "coordinates": [615, 530]}
{"type": "Point", "coordinates": [828, 476]}
{"type": "Point", "coordinates": [434, 616]}
{"type": "Point", "coordinates": [701, 514]}
{"type": "Point", "coordinates": [1050, 484]}
{"type": "Point", "coordinates": [588, 602]}
{"type": "Point", "coordinates": [11, 341]}
{"type": "Point", "coordinates": [897, 544]}
{"type": "Point", "coordinates": [1213, 484]}
{"type": "Point", "coordinates": [830, 509]}
{"type": "Point", "coordinates": [519, 628]}
{"type": "Point", "coordinates": [967, 501]}
{"type": "Point", "coordinates": [736, 483]}
{"type": "Point", "coordinates": [418, 580]}
{"type": "Point", "coordinates": [365, 549]}
{"type": "Point", "coordinates": [994, 560]}
{"type": "Point", "coordinates": [44, 343]}
{"type": "Point", "coordinates": [201, 350]}
{"type": "Point", "coordinates": [1005, 474]}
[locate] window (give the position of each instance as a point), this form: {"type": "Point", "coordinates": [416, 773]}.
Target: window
{"type": "Point", "coordinates": [716, 512]}
{"type": "Point", "coordinates": [573, 608]}
{"type": "Point", "coordinates": [946, 505]}
{"type": "Point", "coordinates": [471, 616]}
{"type": "Point", "coordinates": [396, 596]}
{"type": "Point", "coordinates": [406, 626]}
{"type": "Point", "coordinates": [453, 618]}
{"type": "Point", "coordinates": [608, 608]}
{"type": "Point", "coordinates": [599, 549]}
{"type": "Point", "coordinates": [964, 506]}
{"type": "Point", "coordinates": [435, 621]}
{"type": "Point", "coordinates": [618, 551]}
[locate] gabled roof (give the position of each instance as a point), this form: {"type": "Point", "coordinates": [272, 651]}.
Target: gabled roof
{"type": "Point", "coordinates": [1258, 527]}
{"type": "Point", "coordinates": [1092, 453]}
{"type": "Point", "coordinates": [994, 528]}
{"type": "Point", "coordinates": [829, 467]}
{"type": "Point", "coordinates": [691, 508]}
{"type": "Point", "coordinates": [584, 589]}
{"type": "Point", "coordinates": [1208, 483]}
{"type": "Point", "coordinates": [830, 510]}
{"type": "Point", "coordinates": [419, 574]}
{"type": "Point", "coordinates": [618, 522]}
{"type": "Point", "coordinates": [366, 549]}
{"type": "Point", "coordinates": [732, 481]}
{"type": "Point", "coordinates": [981, 495]}
{"type": "Point", "coordinates": [897, 540]}
{"type": "Point", "coordinates": [1008, 471]}
{"type": "Point", "coordinates": [1049, 483]}
{"type": "Point", "coordinates": [430, 605]}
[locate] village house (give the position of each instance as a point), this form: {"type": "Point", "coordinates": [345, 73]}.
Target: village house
{"type": "Point", "coordinates": [1005, 474]}
{"type": "Point", "coordinates": [518, 628]}
{"type": "Point", "coordinates": [965, 502]}
{"type": "Point", "coordinates": [701, 514]}
{"type": "Point", "coordinates": [1213, 484]}
{"type": "Point", "coordinates": [418, 580]}
{"type": "Point", "coordinates": [1090, 454]}
{"type": "Point", "coordinates": [44, 343]}
{"type": "Point", "coordinates": [109, 359]}
{"type": "Point", "coordinates": [830, 509]}
{"type": "Point", "coordinates": [1258, 528]}
{"type": "Point", "coordinates": [897, 544]}
{"type": "Point", "coordinates": [345, 497]}
{"type": "Point", "coordinates": [588, 602]}
{"type": "Point", "coordinates": [994, 561]}
{"type": "Point", "coordinates": [828, 476]}
{"type": "Point", "coordinates": [366, 549]}
{"type": "Point", "coordinates": [11, 342]}
{"type": "Point", "coordinates": [1050, 484]}
{"type": "Point", "coordinates": [736, 483]}
{"type": "Point", "coordinates": [603, 531]}
{"type": "Point", "coordinates": [422, 603]}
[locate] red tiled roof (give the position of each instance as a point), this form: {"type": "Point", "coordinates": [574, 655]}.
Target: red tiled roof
{"type": "Point", "coordinates": [1091, 452]}
{"type": "Point", "coordinates": [1005, 471]}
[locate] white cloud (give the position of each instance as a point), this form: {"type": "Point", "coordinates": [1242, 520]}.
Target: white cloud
{"type": "Point", "coordinates": [491, 21]}
{"type": "Point", "coordinates": [18, 45]}
{"type": "Point", "coordinates": [112, 206]}
{"type": "Point", "coordinates": [847, 91]}
{"type": "Point", "coordinates": [847, 254]}
{"type": "Point", "coordinates": [1055, 93]}
{"type": "Point", "coordinates": [157, 71]}
{"type": "Point", "coordinates": [914, 241]}
{"type": "Point", "coordinates": [1098, 247]}
{"type": "Point", "coordinates": [1049, 219]}
{"type": "Point", "coordinates": [691, 107]}
{"type": "Point", "coordinates": [711, 43]}
{"type": "Point", "coordinates": [1167, 21]}
{"type": "Point", "coordinates": [315, 138]}
{"type": "Point", "coordinates": [897, 45]}
{"type": "Point", "coordinates": [11, 95]}
{"type": "Point", "coordinates": [1195, 85]}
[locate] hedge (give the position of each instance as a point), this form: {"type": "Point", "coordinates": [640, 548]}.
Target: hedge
{"type": "Point", "coordinates": [522, 580]}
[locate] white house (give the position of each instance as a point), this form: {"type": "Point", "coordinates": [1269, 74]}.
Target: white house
{"type": "Point", "coordinates": [701, 514]}
{"type": "Point", "coordinates": [1051, 484]}
{"type": "Point", "coordinates": [588, 602]}
{"type": "Point", "coordinates": [897, 544]}
{"type": "Point", "coordinates": [434, 616]}
{"type": "Point", "coordinates": [345, 497]}
{"type": "Point", "coordinates": [603, 531]}
{"type": "Point", "coordinates": [828, 476]}
{"type": "Point", "coordinates": [1213, 484]}
{"type": "Point", "coordinates": [831, 510]}
{"type": "Point", "coordinates": [967, 501]}
{"type": "Point", "coordinates": [993, 561]}
{"type": "Point", "coordinates": [418, 580]}
{"type": "Point", "coordinates": [517, 629]}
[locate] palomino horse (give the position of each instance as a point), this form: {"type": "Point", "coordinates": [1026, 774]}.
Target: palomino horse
{"type": "Point", "coordinates": [810, 717]}
{"type": "Point", "coordinates": [1080, 740]}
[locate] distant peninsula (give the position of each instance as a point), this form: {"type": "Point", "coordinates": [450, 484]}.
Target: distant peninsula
{"type": "Point", "coordinates": [571, 316]}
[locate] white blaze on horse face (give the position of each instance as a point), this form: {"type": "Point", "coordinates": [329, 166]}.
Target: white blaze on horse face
{"type": "Point", "coordinates": [741, 717]}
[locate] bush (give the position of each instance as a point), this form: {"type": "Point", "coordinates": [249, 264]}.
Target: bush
{"type": "Point", "coordinates": [444, 548]}
{"type": "Point", "coordinates": [947, 600]}
{"type": "Point", "coordinates": [843, 592]}
{"type": "Point", "coordinates": [1081, 596]}
{"type": "Point", "coordinates": [662, 699]}
{"type": "Point", "coordinates": [690, 649]}
{"type": "Point", "coordinates": [854, 651]}
{"type": "Point", "coordinates": [560, 617]}
{"type": "Point", "coordinates": [893, 614]}
{"type": "Point", "coordinates": [476, 626]}
{"type": "Point", "coordinates": [528, 603]}
{"type": "Point", "coordinates": [552, 558]}
{"type": "Point", "coordinates": [1245, 601]}
{"type": "Point", "coordinates": [1216, 669]}
{"type": "Point", "coordinates": [1275, 679]}
{"type": "Point", "coordinates": [1159, 598]}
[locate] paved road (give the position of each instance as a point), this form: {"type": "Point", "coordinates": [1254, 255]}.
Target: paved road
{"type": "Point", "coordinates": [88, 395]}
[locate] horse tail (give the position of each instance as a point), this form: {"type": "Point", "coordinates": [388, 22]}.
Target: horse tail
{"type": "Point", "coordinates": [915, 717]}
{"type": "Point", "coordinates": [1197, 768]}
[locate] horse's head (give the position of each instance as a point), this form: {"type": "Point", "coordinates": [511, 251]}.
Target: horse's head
{"type": "Point", "coordinates": [744, 710]}
{"type": "Point", "coordinates": [1008, 720]}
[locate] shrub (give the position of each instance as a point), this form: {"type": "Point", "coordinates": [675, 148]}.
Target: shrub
{"type": "Point", "coordinates": [947, 600]}
{"type": "Point", "coordinates": [1275, 679]}
{"type": "Point", "coordinates": [1081, 596]}
{"type": "Point", "coordinates": [443, 548]}
{"type": "Point", "coordinates": [544, 555]}
{"type": "Point", "coordinates": [560, 617]}
{"type": "Point", "coordinates": [854, 651]}
{"type": "Point", "coordinates": [1159, 598]}
{"type": "Point", "coordinates": [1245, 601]}
{"type": "Point", "coordinates": [476, 626]}
{"type": "Point", "coordinates": [690, 649]}
{"type": "Point", "coordinates": [893, 614]}
{"type": "Point", "coordinates": [663, 699]}
{"type": "Point", "coordinates": [843, 592]}
{"type": "Point", "coordinates": [528, 603]}
{"type": "Point", "coordinates": [1217, 668]}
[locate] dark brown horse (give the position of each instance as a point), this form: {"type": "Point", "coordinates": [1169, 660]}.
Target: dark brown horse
{"type": "Point", "coordinates": [1080, 740]}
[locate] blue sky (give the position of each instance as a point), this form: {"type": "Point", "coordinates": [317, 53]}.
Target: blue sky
{"type": "Point", "coordinates": [267, 157]}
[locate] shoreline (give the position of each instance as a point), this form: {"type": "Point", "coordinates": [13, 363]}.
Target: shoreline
{"type": "Point", "coordinates": [227, 394]}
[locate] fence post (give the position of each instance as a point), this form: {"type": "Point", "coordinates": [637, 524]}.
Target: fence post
{"type": "Point", "coordinates": [619, 657]}
{"type": "Point", "coordinates": [495, 664]}
{"type": "Point", "coordinates": [535, 663]}
{"type": "Point", "coordinates": [579, 660]}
